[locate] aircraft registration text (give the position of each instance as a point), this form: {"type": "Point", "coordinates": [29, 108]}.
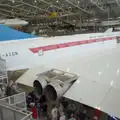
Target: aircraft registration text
{"type": "Point", "coordinates": [8, 54]}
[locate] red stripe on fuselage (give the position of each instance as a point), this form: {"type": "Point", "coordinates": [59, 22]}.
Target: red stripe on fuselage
{"type": "Point", "coordinates": [69, 44]}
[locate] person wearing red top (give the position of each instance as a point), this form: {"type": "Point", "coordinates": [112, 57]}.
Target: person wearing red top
{"type": "Point", "coordinates": [34, 112]}
{"type": "Point", "coordinates": [97, 114]}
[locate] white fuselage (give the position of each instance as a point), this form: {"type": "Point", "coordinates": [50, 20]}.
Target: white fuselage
{"type": "Point", "coordinates": [29, 53]}
{"type": "Point", "coordinates": [13, 22]}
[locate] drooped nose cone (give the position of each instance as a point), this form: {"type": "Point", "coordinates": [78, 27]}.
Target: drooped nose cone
{"type": "Point", "coordinates": [38, 87]}
{"type": "Point", "coordinates": [50, 93]}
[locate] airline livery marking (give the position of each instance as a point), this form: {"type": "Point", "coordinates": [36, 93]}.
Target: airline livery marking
{"type": "Point", "coordinates": [68, 44]}
{"type": "Point", "coordinates": [8, 54]}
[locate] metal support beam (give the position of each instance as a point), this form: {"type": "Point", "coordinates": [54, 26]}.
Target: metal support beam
{"type": "Point", "coordinates": [97, 5]}
{"type": "Point", "coordinates": [9, 11]}
{"type": "Point", "coordinates": [118, 3]}
{"type": "Point", "coordinates": [5, 15]}
{"type": "Point", "coordinates": [31, 6]}
{"type": "Point", "coordinates": [1, 112]}
{"type": "Point", "coordinates": [112, 10]}
{"type": "Point", "coordinates": [16, 7]}
{"type": "Point", "coordinates": [55, 6]}
{"type": "Point", "coordinates": [78, 7]}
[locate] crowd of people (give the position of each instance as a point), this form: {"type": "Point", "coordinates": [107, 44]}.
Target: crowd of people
{"type": "Point", "coordinates": [8, 89]}
{"type": "Point", "coordinates": [39, 108]}
{"type": "Point", "coordinates": [63, 110]}
{"type": "Point", "coordinates": [36, 104]}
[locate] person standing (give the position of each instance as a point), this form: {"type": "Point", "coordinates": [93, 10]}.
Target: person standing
{"type": "Point", "coordinates": [72, 117]}
{"type": "Point", "coordinates": [97, 114]}
{"type": "Point", "coordinates": [62, 116]}
{"type": "Point", "coordinates": [34, 111]}
{"type": "Point", "coordinates": [54, 113]}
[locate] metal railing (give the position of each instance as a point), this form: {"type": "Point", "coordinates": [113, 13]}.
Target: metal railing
{"type": "Point", "coordinates": [17, 100]}
{"type": "Point", "coordinates": [8, 112]}
{"type": "Point", "coordinates": [3, 76]}
{"type": "Point", "coordinates": [14, 108]}
{"type": "Point", "coordinates": [3, 71]}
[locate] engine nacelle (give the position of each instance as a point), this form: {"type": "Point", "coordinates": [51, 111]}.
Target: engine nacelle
{"type": "Point", "coordinates": [54, 83]}
{"type": "Point", "coordinates": [40, 84]}
{"type": "Point", "coordinates": [55, 89]}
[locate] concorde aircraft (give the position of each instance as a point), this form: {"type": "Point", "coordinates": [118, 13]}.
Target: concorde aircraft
{"type": "Point", "coordinates": [31, 52]}
{"type": "Point", "coordinates": [84, 67]}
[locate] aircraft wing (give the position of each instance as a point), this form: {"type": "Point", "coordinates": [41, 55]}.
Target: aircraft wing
{"type": "Point", "coordinates": [98, 84]}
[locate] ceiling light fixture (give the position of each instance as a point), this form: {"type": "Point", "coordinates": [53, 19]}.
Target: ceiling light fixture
{"type": "Point", "coordinates": [13, 1]}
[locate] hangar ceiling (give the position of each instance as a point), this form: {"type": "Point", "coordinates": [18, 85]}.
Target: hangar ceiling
{"type": "Point", "coordinates": [72, 12]}
{"type": "Point", "coordinates": [41, 8]}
